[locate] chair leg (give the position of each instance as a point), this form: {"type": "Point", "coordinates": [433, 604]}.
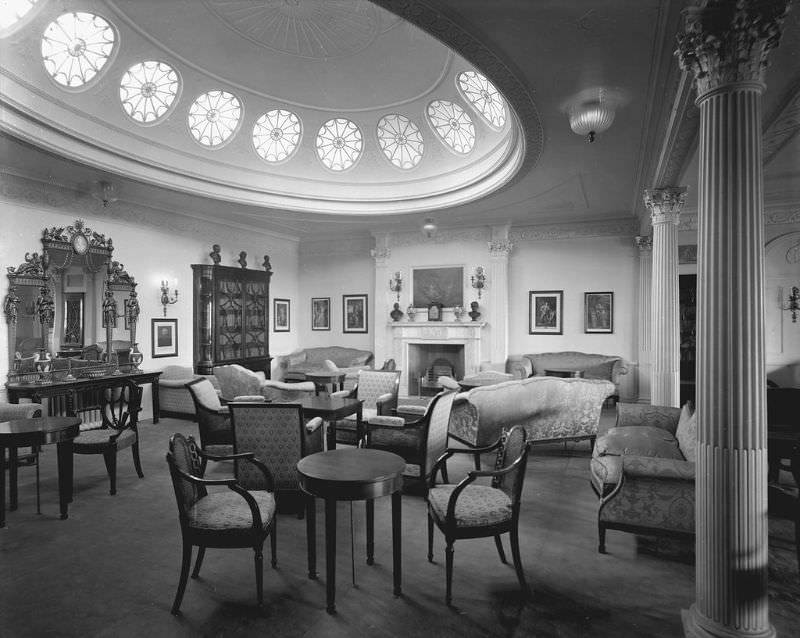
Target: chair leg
{"type": "Point", "coordinates": [430, 539]}
{"type": "Point", "coordinates": [259, 561]}
{"type": "Point", "coordinates": [185, 564]}
{"type": "Point", "coordinates": [514, 533]}
{"type": "Point", "coordinates": [498, 542]}
{"type": "Point", "coordinates": [136, 462]}
{"type": "Point", "coordinates": [201, 554]}
{"type": "Point", "coordinates": [110, 457]}
{"type": "Point", "coordinates": [601, 530]}
{"type": "Point", "coordinates": [38, 496]}
{"type": "Point", "coordinates": [448, 552]}
{"type": "Point", "coordinates": [273, 543]}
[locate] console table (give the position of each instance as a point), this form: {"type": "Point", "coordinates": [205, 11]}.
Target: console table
{"type": "Point", "coordinates": [61, 393]}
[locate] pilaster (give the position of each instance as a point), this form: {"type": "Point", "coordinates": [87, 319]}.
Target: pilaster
{"type": "Point", "coordinates": [725, 45]}
{"type": "Point", "coordinates": [382, 296]}
{"type": "Point", "coordinates": [664, 205]}
{"type": "Point", "coordinates": [499, 252]}
{"type": "Point", "coordinates": [644, 321]}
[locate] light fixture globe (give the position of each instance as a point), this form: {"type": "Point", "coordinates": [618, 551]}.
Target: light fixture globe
{"type": "Point", "coordinates": [429, 228]}
{"type": "Point", "coordinates": [591, 118]}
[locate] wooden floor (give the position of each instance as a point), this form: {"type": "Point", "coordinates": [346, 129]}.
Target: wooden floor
{"type": "Point", "coordinates": [111, 569]}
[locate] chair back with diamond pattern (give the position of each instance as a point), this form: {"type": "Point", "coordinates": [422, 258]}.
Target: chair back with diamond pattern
{"type": "Point", "coordinates": [438, 422]}
{"type": "Point", "coordinates": [513, 448]}
{"type": "Point", "coordinates": [374, 383]}
{"type": "Point", "coordinates": [183, 455]}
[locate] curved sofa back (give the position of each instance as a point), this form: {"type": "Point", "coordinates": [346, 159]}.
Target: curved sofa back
{"type": "Point", "coordinates": [548, 408]}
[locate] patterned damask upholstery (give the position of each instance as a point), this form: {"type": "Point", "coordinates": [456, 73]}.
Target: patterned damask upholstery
{"type": "Point", "coordinates": [639, 471]}
{"type": "Point", "coordinates": [227, 510]}
{"type": "Point", "coordinates": [294, 366]}
{"type": "Point", "coordinates": [550, 409]}
{"type": "Point", "coordinates": [594, 366]}
{"type": "Point", "coordinates": [174, 398]}
{"type": "Point", "coordinates": [477, 505]}
{"type": "Point", "coordinates": [237, 381]}
{"type": "Point", "coordinates": [277, 436]}
{"type": "Point", "coordinates": [213, 418]}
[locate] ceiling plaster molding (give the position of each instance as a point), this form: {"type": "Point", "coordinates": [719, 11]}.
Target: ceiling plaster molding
{"type": "Point", "coordinates": [783, 125]}
{"type": "Point", "coordinates": [323, 248]}
{"type": "Point", "coordinates": [57, 198]}
{"type": "Point", "coordinates": [688, 219]}
{"type": "Point", "coordinates": [466, 44]}
{"type": "Point", "coordinates": [610, 228]}
{"type": "Point", "coordinates": [442, 236]}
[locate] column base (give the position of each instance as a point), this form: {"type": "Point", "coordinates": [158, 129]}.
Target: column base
{"type": "Point", "coordinates": [696, 625]}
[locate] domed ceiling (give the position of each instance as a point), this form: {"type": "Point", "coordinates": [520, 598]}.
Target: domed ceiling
{"type": "Point", "coordinates": [327, 107]}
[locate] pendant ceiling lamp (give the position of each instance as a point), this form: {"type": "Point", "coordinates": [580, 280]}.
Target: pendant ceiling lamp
{"type": "Point", "coordinates": [592, 111]}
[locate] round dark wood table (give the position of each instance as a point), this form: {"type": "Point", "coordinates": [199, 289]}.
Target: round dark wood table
{"type": "Point", "coordinates": [37, 431]}
{"type": "Point", "coordinates": [350, 474]}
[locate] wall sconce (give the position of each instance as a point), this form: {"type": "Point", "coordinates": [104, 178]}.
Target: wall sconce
{"type": "Point", "coordinates": [429, 228]}
{"type": "Point", "coordinates": [396, 284]}
{"type": "Point", "coordinates": [165, 300]}
{"type": "Point", "coordinates": [793, 303]}
{"type": "Point", "coordinates": [478, 280]}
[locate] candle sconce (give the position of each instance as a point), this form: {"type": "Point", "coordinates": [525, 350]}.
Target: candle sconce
{"type": "Point", "coordinates": [165, 298]}
{"type": "Point", "coordinates": [478, 280]}
{"type": "Point", "coordinates": [793, 303]}
{"type": "Point", "coordinates": [396, 284]}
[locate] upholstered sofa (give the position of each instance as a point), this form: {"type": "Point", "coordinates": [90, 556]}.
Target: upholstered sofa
{"type": "Point", "coordinates": [294, 366]}
{"type": "Point", "coordinates": [643, 470]}
{"type": "Point", "coordinates": [550, 409]}
{"type": "Point", "coordinates": [174, 398]}
{"type": "Point", "coordinates": [594, 366]}
{"type": "Point", "coordinates": [237, 381]}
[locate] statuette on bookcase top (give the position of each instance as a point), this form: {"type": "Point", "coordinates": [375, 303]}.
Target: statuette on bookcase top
{"type": "Point", "coordinates": [215, 255]}
{"type": "Point", "coordinates": [267, 266]}
{"type": "Point", "coordinates": [243, 259]}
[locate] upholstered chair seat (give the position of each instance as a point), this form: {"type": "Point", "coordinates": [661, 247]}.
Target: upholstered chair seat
{"type": "Point", "coordinates": [476, 506]}
{"type": "Point", "coordinates": [228, 511]}
{"type": "Point", "coordinates": [378, 390]}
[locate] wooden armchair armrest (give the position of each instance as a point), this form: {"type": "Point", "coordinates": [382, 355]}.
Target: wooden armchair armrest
{"type": "Point", "coordinates": [344, 394]}
{"type": "Point", "coordinates": [314, 424]}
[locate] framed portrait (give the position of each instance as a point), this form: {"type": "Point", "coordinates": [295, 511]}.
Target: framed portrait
{"type": "Point", "coordinates": [164, 334]}
{"type": "Point", "coordinates": [280, 315]}
{"type": "Point", "coordinates": [545, 312]}
{"type": "Point", "coordinates": [435, 311]}
{"type": "Point", "coordinates": [320, 313]}
{"type": "Point", "coordinates": [354, 309]}
{"type": "Point", "coordinates": [442, 285]}
{"type": "Point", "coordinates": [598, 312]}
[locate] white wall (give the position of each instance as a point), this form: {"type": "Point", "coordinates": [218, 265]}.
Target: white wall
{"type": "Point", "coordinates": [151, 253]}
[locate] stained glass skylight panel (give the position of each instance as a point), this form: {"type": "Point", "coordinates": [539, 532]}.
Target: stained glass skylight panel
{"type": "Point", "coordinates": [76, 46]}
{"type": "Point", "coordinates": [453, 126]}
{"type": "Point", "coordinates": [276, 135]}
{"type": "Point", "coordinates": [148, 90]}
{"type": "Point", "coordinates": [214, 117]}
{"type": "Point", "coordinates": [339, 144]}
{"type": "Point", "coordinates": [400, 140]}
{"type": "Point", "coordinates": [483, 95]}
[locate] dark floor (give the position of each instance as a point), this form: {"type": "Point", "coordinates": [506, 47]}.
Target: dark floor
{"type": "Point", "coordinates": [112, 568]}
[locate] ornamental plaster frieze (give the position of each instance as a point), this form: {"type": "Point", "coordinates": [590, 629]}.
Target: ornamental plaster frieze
{"type": "Point", "coordinates": [339, 247]}
{"type": "Point", "coordinates": [416, 238]}
{"type": "Point", "coordinates": [62, 200]}
{"type": "Point", "coordinates": [500, 247]}
{"type": "Point", "coordinates": [615, 228]}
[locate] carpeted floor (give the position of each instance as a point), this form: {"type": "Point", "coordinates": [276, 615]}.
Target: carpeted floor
{"type": "Point", "coordinates": [111, 569]}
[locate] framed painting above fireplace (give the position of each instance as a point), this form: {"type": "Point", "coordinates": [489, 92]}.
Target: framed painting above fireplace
{"type": "Point", "coordinates": [441, 284]}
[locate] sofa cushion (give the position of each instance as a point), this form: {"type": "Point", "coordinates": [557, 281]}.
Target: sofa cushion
{"type": "Point", "coordinates": [361, 360]}
{"type": "Point", "coordinates": [603, 370]}
{"type": "Point", "coordinates": [639, 440]}
{"type": "Point", "coordinates": [686, 434]}
{"type": "Point", "coordinates": [297, 359]}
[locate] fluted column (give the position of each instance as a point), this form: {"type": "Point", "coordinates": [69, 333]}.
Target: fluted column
{"type": "Point", "coordinates": [383, 298]}
{"type": "Point", "coordinates": [644, 324]}
{"type": "Point", "coordinates": [725, 45]}
{"type": "Point", "coordinates": [499, 251]}
{"type": "Point", "coordinates": [665, 205]}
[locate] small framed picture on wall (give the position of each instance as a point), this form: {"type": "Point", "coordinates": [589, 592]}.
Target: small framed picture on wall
{"type": "Point", "coordinates": [545, 310]}
{"type": "Point", "coordinates": [280, 315]}
{"type": "Point", "coordinates": [354, 309]}
{"type": "Point", "coordinates": [165, 337]}
{"type": "Point", "coordinates": [598, 312]}
{"type": "Point", "coordinates": [320, 313]}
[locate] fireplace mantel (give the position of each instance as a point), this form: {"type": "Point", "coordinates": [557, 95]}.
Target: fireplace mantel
{"type": "Point", "coordinates": [466, 333]}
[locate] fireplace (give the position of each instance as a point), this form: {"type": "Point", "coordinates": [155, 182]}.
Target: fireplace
{"type": "Point", "coordinates": [415, 346]}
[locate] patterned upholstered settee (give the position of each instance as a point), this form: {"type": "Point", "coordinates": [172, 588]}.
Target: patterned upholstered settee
{"type": "Point", "coordinates": [643, 470]}
{"type": "Point", "coordinates": [174, 398]}
{"type": "Point", "coordinates": [550, 409]}
{"type": "Point", "coordinates": [237, 381]}
{"type": "Point", "coordinates": [294, 366]}
{"type": "Point", "coordinates": [594, 366]}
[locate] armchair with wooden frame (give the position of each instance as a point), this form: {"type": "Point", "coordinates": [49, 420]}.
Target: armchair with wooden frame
{"type": "Point", "coordinates": [213, 418]}
{"type": "Point", "coordinates": [471, 510]}
{"type": "Point", "coordinates": [118, 404]}
{"type": "Point", "coordinates": [378, 390]}
{"type": "Point", "coordinates": [241, 517]}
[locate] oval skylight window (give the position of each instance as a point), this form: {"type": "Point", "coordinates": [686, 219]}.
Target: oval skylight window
{"type": "Point", "coordinates": [276, 135]}
{"type": "Point", "coordinates": [148, 90]}
{"type": "Point", "coordinates": [76, 46]}
{"type": "Point", "coordinates": [339, 144]}
{"type": "Point", "coordinates": [452, 125]}
{"type": "Point", "coordinates": [400, 140]}
{"type": "Point", "coordinates": [483, 95]}
{"type": "Point", "coordinates": [214, 117]}
{"type": "Point", "coordinates": [12, 11]}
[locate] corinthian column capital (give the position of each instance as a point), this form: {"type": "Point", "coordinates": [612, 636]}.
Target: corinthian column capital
{"type": "Point", "coordinates": [644, 242]}
{"type": "Point", "coordinates": [728, 42]}
{"type": "Point", "coordinates": [500, 247]}
{"type": "Point", "coordinates": [665, 204]}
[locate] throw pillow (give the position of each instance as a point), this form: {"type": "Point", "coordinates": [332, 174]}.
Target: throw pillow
{"type": "Point", "coordinates": [639, 440]}
{"type": "Point", "coordinates": [687, 433]}
{"type": "Point", "coordinates": [297, 359]}
{"type": "Point", "coordinates": [361, 360]}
